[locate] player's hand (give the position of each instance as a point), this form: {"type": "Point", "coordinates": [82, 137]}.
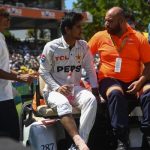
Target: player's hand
{"type": "Point", "coordinates": [26, 78]}
{"type": "Point", "coordinates": [34, 74]}
{"type": "Point", "coordinates": [65, 90]}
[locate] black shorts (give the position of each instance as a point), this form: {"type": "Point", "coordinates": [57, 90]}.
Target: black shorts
{"type": "Point", "coordinates": [9, 122]}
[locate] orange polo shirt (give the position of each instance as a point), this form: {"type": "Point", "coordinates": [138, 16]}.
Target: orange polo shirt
{"type": "Point", "coordinates": [135, 51]}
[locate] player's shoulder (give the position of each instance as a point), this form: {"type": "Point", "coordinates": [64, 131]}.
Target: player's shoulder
{"type": "Point", "coordinates": [54, 42]}
{"type": "Point", "coordinates": [82, 44]}
{"type": "Point", "coordinates": [52, 45]}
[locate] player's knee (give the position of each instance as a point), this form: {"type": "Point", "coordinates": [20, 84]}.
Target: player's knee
{"type": "Point", "coordinates": [56, 98]}
{"type": "Point", "coordinates": [64, 109]}
{"type": "Point", "coordinates": [59, 103]}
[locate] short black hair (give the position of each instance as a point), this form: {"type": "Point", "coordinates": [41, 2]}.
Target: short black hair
{"type": "Point", "coordinates": [69, 20]}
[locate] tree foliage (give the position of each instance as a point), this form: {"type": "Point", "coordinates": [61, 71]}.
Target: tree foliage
{"type": "Point", "coordinates": [139, 8]}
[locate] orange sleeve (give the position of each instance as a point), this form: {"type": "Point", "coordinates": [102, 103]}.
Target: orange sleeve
{"type": "Point", "coordinates": [94, 43]}
{"type": "Point", "coordinates": [144, 49]}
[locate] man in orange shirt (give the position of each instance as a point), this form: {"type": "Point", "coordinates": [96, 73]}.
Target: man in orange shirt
{"type": "Point", "coordinates": [122, 50]}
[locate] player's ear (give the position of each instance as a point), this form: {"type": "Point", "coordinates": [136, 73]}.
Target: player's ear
{"type": "Point", "coordinates": [66, 29]}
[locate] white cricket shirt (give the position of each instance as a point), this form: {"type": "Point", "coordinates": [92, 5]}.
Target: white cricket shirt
{"type": "Point", "coordinates": [57, 60]}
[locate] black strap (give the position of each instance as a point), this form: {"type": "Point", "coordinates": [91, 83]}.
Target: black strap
{"type": "Point", "coordinates": [38, 96]}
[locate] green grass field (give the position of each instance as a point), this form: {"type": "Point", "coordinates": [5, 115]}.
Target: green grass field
{"type": "Point", "coordinates": [18, 106]}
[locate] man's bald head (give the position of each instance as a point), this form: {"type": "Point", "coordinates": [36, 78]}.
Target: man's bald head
{"type": "Point", "coordinates": [115, 21]}
{"type": "Point", "coordinates": [116, 12]}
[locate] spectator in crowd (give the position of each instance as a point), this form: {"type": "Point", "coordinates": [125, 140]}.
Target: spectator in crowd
{"type": "Point", "coordinates": [69, 54]}
{"type": "Point", "coordinates": [122, 50]}
{"type": "Point", "coordinates": [9, 125]}
{"type": "Point", "coordinates": [27, 57]}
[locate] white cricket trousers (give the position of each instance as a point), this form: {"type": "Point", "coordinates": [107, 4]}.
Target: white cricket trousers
{"type": "Point", "coordinates": [84, 100]}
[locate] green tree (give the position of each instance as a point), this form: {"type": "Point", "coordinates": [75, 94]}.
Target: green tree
{"type": "Point", "coordinates": [139, 8]}
{"type": "Point", "coordinates": [39, 34]}
{"type": "Point", "coordinates": [30, 33]}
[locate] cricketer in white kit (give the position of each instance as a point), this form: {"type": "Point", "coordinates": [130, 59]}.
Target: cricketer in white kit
{"type": "Point", "coordinates": [57, 60]}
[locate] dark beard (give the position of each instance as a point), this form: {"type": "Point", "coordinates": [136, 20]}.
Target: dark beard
{"type": "Point", "coordinates": [115, 31]}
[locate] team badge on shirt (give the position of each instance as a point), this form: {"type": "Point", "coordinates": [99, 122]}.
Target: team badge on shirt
{"type": "Point", "coordinates": [42, 58]}
{"type": "Point", "coordinates": [78, 58]}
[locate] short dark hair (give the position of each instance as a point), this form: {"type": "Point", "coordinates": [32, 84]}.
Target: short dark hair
{"type": "Point", "coordinates": [69, 20]}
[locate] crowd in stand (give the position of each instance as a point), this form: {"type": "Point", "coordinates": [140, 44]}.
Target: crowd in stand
{"type": "Point", "coordinates": [24, 54]}
{"type": "Point", "coordinates": [22, 63]}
